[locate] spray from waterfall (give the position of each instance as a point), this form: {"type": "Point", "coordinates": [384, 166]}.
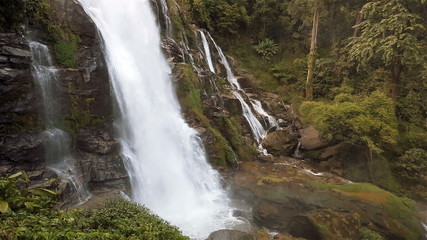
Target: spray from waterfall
{"type": "Point", "coordinates": [166, 160]}
{"type": "Point", "coordinates": [57, 142]}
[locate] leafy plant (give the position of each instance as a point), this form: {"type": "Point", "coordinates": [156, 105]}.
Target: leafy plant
{"type": "Point", "coordinates": [412, 166]}
{"type": "Point", "coordinates": [266, 48]}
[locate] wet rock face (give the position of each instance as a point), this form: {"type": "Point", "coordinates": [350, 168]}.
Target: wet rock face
{"type": "Point", "coordinates": [22, 151]}
{"type": "Point", "coordinates": [84, 96]}
{"type": "Point", "coordinates": [21, 145]}
{"type": "Point", "coordinates": [230, 235]}
{"type": "Point", "coordinates": [100, 157]}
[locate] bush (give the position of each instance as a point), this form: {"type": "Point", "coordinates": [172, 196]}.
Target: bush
{"type": "Point", "coordinates": [367, 121]}
{"type": "Point", "coordinates": [266, 48]}
{"type": "Point", "coordinates": [412, 166]}
{"type": "Point", "coordinates": [29, 214]}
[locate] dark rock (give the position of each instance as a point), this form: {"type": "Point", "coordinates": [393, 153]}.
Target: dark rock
{"type": "Point", "coordinates": [277, 216]}
{"type": "Point", "coordinates": [325, 224]}
{"type": "Point", "coordinates": [96, 141]}
{"type": "Point", "coordinates": [230, 235]}
{"type": "Point", "coordinates": [23, 151]}
{"type": "Point", "coordinates": [17, 52]}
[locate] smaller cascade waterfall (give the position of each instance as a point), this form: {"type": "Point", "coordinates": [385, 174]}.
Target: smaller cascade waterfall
{"type": "Point", "coordinates": [207, 51]}
{"type": "Point", "coordinates": [258, 108]}
{"type": "Point", "coordinates": [256, 127]}
{"type": "Point", "coordinates": [58, 155]}
{"type": "Point", "coordinates": [168, 24]}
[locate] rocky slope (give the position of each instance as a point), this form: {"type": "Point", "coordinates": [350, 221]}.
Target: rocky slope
{"type": "Point", "coordinates": [286, 194]}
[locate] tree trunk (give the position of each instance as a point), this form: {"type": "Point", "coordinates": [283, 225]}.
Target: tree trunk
{"type": "Point", "coordinates": [397, 69]}
{"type": "Point", "coordinates": [311, 56]}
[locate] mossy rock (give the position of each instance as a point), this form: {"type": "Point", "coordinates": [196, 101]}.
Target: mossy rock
{"type": "Point", "coordinates": [393, 216]}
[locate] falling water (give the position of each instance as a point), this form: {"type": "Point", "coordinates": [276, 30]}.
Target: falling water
{"type": "Point", "coordinates": [166, 160]}
{"type": "Point", "coordinates": [256, 127]}
{"type": "Point", "coordinates": [207, 51]}
{"type": "Point", "coordinates": [58, 155]}
{"type": "Point", "coordinates": [168, 23]}
{"type": "Point", "coordinates": [258, 108]}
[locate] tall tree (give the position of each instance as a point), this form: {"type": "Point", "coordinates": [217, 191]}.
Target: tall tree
{"type": "Point", "coordinates": [313, 45]}
{"type": "Point", "coordinates": [389, 35]}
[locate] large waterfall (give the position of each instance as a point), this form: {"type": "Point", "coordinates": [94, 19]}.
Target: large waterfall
{"type": "Point", "coordinates": [57, 142]}
{"type": "Point", "coordinates": [165, 157]}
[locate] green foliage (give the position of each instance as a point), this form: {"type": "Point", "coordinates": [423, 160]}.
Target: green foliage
{"type": "Point", "coordinates": [65, 45]}
{"type": "Point", "coordinates": [266, 48]}
{"type": "Point", "coordinates": [14, 13]}
{"type": "Point", "coordinates": [389, 32]}
{"type": "Point", "coordinates": [369, 121]}
{"type": "Point", "coordinates": [412, 167]}
{"type": "Point", "coordinates": [29, 214]}
{"type": "Point", "coordinates": [367, 234]}
{"type": "Point", "coordinates": [221, 16]}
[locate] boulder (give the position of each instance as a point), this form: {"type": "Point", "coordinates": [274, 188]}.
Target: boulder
{"type": "Point", "coordinates": [310, 139]}
{"type": "Point", "coordinates": [247, 80]}
{"type": "Point", "coordinates": [230, 235]}
{"type": "Point", "coordinates": [287, 185]}
{"type": "Point", "coordinates": [281, 142]}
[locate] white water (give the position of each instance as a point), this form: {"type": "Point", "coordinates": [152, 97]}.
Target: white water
{"type": "Point", "coordinates": [258, 108]}
{"type": "Point", "coordinates": [57, 142]}
{"type": "Point", "coordinates": [256, 127]}
{"type": "Point", "coordinates": [166, 161]}
{"type": "Point", "coordinates": [168, 23]}
{"type": "Point", "coordinates": [207, 51]}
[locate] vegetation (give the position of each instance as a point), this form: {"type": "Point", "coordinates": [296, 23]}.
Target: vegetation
{"type": "Point", "coordinates": [15, 13]}
{"type": "Point", "coordinates": [29, 213]}
{"type": "Point", "coordinates": [361, 65]}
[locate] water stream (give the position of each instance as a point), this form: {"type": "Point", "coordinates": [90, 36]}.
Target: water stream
{"type": "Point", "coordinates": [207, 51]}
{"type": "Point", "coordinates": [256, 127]}
{"type": "Point", "coordinates": [165, 157]}
{"type": "Point", "coordinates": [57, 142]}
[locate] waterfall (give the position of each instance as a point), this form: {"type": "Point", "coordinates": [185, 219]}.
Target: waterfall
{"type": "Point", "coordinates": [207, 51]}
{"type": "Point", "coordinates": [258, 108]}
{"type": "Point", "coordinates": [166, 160]}
{"type": "Point", "coordinates": [168, 23]}
{"type": "Point", "coordinates": [256, 127]}
{"type": "Point", "coordinates": [57, 142]}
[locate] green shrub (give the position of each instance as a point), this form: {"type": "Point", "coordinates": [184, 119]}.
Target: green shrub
{"type": "Point", "coordinates": [266, 48]}
{"type": "Point", "coordinates": [369, 121]}
{"type": "Point", "coordinates": [367, 234]}
{"type": "Point", "coordinates": [412, 166]}
{"type": "Point", "coordinates": [29, 213]}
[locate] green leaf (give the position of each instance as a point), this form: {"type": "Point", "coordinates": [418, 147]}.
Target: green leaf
{"type": "Point", "coordinates": [16, 175]}
{"type": "Point", "coordinates": [42, 192]}
{"type": "Point", "coordinates": [4, 207]}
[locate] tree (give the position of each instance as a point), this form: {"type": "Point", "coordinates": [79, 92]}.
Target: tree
{"type": "Point", "coordinates": [389, 34]}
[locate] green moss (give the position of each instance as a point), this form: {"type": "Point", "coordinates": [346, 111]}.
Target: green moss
{"type": "Point", "coordinates": [65, 44]}
{"type": "Point", "coordinates": [367, 234]}
{"type": "Point", "coordinates": [80, 115]}
{"type": "Point", "coordinates": [400, 209]}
